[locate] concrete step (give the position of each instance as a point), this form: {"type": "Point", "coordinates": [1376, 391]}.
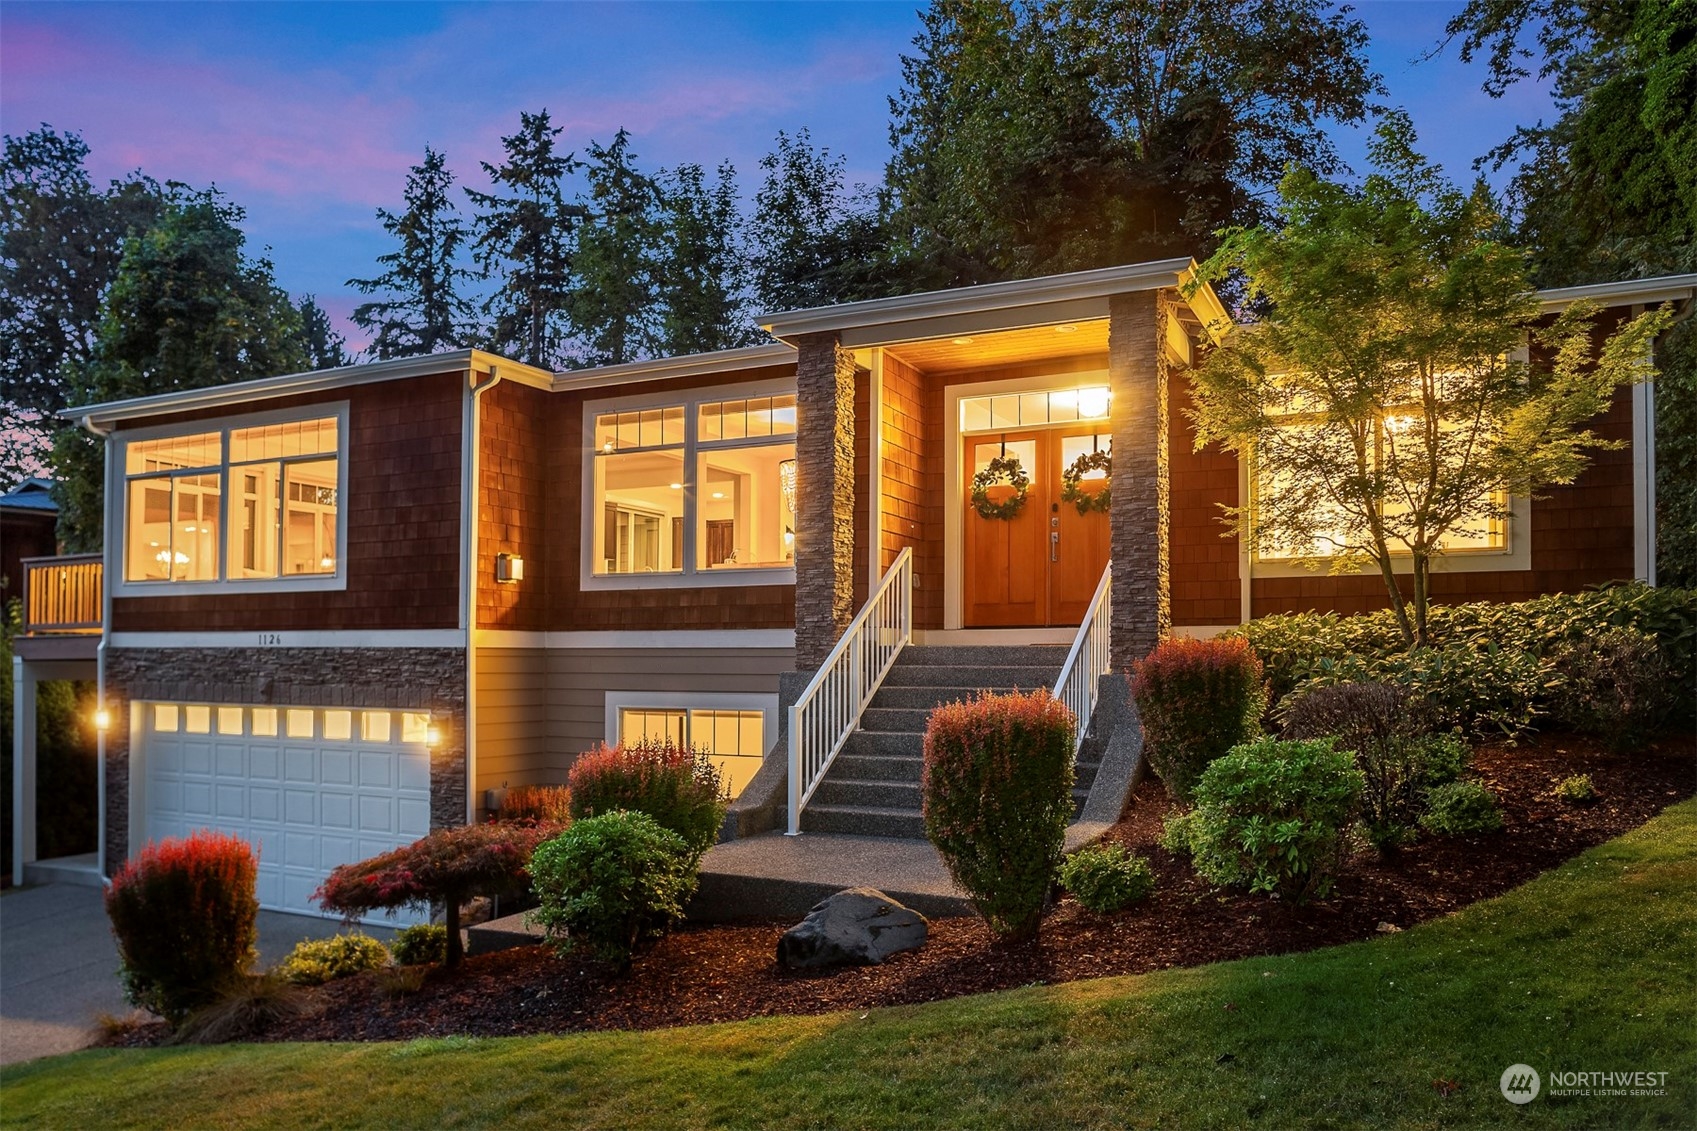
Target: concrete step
{"type": "Point", "coordinates": [884, 744]}
{"type": "Point", "coordinates": [927, 697]}
{"type": "Point", "coordinates": [886, 719]}
{"type": "Point", "coordinates": [1024, 676]}
{"type": "Point", "coordinates": [877, 767]}
{"type": "Point", "coordinates": [985, 655]}
{"type": "Point", "coordinates": [863, 821]}
{"type": "Point", "coordinates": [858, 793]}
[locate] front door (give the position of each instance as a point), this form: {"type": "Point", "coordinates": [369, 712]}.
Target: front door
{"type": "Point", "coordinates": [1039, 566]}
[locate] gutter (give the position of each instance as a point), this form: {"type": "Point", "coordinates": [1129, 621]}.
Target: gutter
{"type": "Point", "coordinates": [470, 505]}
{"type": "Point", "coordinates": [104, 435]}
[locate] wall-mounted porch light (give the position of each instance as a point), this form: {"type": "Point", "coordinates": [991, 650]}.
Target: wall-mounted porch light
{"type": "Point", "coordinates": [1092, 403]}
{"type": "Point", "coordinates": [509, 568]}
{"type": "Point", "coordinates": [102, 719]}
{"type": "Point", "coordinates": [432, 734]}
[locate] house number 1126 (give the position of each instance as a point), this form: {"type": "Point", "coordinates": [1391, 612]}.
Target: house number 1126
{"type": "Point", "coordinates": [270, 638]}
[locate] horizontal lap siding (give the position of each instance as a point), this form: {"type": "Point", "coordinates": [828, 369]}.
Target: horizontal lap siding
{"type": "Point", "coordinates": [576, 609]}
{"type": "Point", "coordinates": [513, 515]}
{"type": "Point", "coordinates": [512, 718]}
{"type": "Point", "coordinates": [1205, 581]}
{"type": "Point", "coordinates": [403, 504]}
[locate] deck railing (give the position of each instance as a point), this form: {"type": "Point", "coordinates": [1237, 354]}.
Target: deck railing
{"type": "Point", "coordinates": [62, 594]}
{"type": "Point", "coordinates": [1088, 661]}
{"type": "Point", "coordinates": [829, 709]}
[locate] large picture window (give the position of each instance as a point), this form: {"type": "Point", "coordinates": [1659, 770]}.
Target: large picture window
{"type": "Point", "coordinates": [692, 488]}
{"type": "Point", "coordinates": [245, 502]}
{"type": "Point", "coordinates": [733, 740]}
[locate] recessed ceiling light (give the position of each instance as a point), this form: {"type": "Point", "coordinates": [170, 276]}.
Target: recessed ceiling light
{"type": "Point", "coordinates": [677, 486]}
{"type": "Point", "coordinates": [718, 494]}
{"type": "Point", "coordinates": [1066, 328]}
{"type": "Point", "coordinates": [962, 341]}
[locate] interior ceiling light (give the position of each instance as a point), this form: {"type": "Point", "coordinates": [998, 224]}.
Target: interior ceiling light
{"type": "Point", "coordinates": [677, 486]}
{"type": "Point", "coordinates": [1066, 328]}
{"type": "Point", "coordinates": [962, 341]}
{"type": "Point", "coordinates": [718, 494]}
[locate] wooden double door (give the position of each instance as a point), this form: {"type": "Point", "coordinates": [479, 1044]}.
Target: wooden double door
{"type": "Point", "coordinates": [1040, 567]}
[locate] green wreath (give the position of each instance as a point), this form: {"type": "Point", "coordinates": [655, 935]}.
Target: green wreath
{"type": "Point", "coordinates": [1001, 471]}
{"type": "Point", "coordinates": [1072, 480]}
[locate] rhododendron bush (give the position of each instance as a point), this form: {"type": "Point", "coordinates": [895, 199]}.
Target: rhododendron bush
{"type": "Point", "coordinates": [447, 867]}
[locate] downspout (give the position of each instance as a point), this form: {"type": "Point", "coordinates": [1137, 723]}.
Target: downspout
{"type": "Point", "coordinates": [471, 504]}
{"type": "Point", "coordinates": [1644, 401]}
{"type": "Point", "coordinates": [107, 534]}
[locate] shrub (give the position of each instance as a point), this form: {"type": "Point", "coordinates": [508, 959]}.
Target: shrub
{"type": "Point", "coordinates": [1196, 699]}
{"type": "Point", "coordinates": [399, 981]}
{"type": "Point", "coordinates": [1613, 685]}
{"type": "Point", "coordinates": [316, 961]}
{"type": "Point", "coordinates": [550, 804]}
{"type": "Point", "coordinates": [679, 788]}
{"type": "Point", "coordinates": [1354, 715]}
{"type": "Point", "coordinates": [997, 795]}
{"type": "Point", "coordinates": [420, 944]}
{"type": "Point", "coordinates": [246, 1007]}
{"type": "Point", "coordinates": [1398, 774]}
{"type": "Point", "coordinates": [1104, 878]}
{"type": "Point", "coordinates": [1460, 808]}
{"type": "Point", "coordinates": [184, 914]}
{"type": "Point", "coordinates": [1270, 816]}
{"type": "Point", "coordinates": [1175, 832]}
{"type": "Point", "coordinates": [1490, 692]}
{"type": "Point", "coordinates": [608, 882]}
{"type": "Point", "coordinates": [447, 867]}
{"type": "Point", "coordinates": [1577, 790]}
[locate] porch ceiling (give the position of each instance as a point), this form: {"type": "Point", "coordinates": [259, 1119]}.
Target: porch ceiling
{"type": "Point", "coordinates": [997, 349]}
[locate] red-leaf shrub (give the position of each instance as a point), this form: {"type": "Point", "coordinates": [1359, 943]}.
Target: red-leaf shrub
{"type": "Point", "coordinates": [1197, 699]}
{"type": "Point", "coordinates": [448, 867]}
{"type": "Point", "coordinates": [184, 914]}
{"type": "Point", "coordinates": [550, 803]}
{"type": "Point", "coordinates": [997, 799]}
{"type": "Point", "coordinates": [679, 788]}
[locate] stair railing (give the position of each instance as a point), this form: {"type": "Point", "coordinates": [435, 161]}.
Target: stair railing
{"type": "Point", "coordinates": [830, 708]}
{"type": "Point", "coordinates": [1080, 676]}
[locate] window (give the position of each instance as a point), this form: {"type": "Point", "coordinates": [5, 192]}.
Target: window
{"type": "Point", "coordinates": [735, 740]}
{"type": "Point", "coordinates": [249, 502]}
{"type": "Point", "coordinates": [692, 488]}
{"type": "Point", "coordinates": [1027, 410]}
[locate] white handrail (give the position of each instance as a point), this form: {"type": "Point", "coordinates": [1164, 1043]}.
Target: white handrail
{"type": "Point", "coordinates": [1088, 661]}
{"type": "Point", "coordinates": [829, 710]}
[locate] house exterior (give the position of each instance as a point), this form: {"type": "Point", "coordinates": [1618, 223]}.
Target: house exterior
{"type": "Point", "coordinates": [338, 610]}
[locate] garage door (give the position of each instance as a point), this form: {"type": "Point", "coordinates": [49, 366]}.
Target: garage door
{"type": "Point", "coordinates": [308, 788]}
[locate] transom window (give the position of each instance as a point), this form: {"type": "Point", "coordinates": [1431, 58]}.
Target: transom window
{"type": "Point", "coordinates": [693, 488]}
{"type": "Point", "coordinates": [244, 502]}
{"type": "Point", "coordinates": [1026, 410]}
{"type": "Point", "coordinates": [734, 740]}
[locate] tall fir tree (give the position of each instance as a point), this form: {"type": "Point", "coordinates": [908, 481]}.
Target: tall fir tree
{"type": "Point", "coordinates": [325, 348]}
{"type": "Point", "coordinates": [526, 238]}
{"type": "Point", "coordinates": [188, 308]}
{"type": "Point", "coordinates": [816, 242]}
{"type": "Point", "coordinates": [612, 301]}
{"type": "Point", "coordinates": [421, 310]}
{"type": "Point", "coordinates": [701, 269]}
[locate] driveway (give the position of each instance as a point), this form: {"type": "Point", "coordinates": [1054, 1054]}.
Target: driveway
{"type": "Point", "coordinates": [59, 965]}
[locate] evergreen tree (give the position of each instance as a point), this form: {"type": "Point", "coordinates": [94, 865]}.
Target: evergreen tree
{"type": "Point", "coordinates": [1033, 138]}
{"type": "Point", "coordinates": [526, 238]}
{"type": "Point", "coordinates": [421, 311]}
{"type": "Point", "coordinates": [187, 309]}
{"type": "Point", "coordinates": [816, 243]}
{"type": "Point", "coordinates": [324, 347]}
{"type": "Point", "coordinates": [701, 271]}
{"type": "Point", "coordinates": [612, 300]}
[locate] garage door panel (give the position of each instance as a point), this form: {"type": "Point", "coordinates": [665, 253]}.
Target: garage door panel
{"type": "Point", "coordinates": [334, 851]}
{"type": "Point", "coordinates": [230, 760]}
{"type": "Point", "coordinates": [300, 849]}
{"type": "Point", "coordinates": [265, 762]}
{"type": "Point", "coordinates": [415, 772]}
{"type": "Point", "coordinates": [414, 819]}
{"type": "Point", "coordinates": [197, 757]}
{"type": "Point", "coordinates": [232, 801]}
{"type": "Point", "coordinates": [336, 767]}
{"type": "Point", "coordinates": [197, 799]}
{"type": "Point", "coordinates": [264, 803]}
{"type": "Point", "coordinates": [300, 763]}
{"type": "Point", "coordinates": [336, 810]}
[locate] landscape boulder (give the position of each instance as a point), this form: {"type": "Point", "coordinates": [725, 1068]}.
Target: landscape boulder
{"type": "Point", "coordinates": [857, 927]}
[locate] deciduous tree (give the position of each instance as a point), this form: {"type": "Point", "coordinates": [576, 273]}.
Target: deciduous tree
{"type": "Point", "coordinates": [815, 242]}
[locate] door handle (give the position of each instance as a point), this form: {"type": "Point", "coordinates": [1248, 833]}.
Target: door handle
{"type": "Point", "coordinates": [1054, 545]}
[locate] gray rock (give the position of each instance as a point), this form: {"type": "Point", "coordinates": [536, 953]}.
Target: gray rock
{"type": "Point", "coordinates": [857, 927]}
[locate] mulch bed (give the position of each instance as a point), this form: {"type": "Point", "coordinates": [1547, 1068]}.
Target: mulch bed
{"type": "Point", "coordinates": [710, 974]}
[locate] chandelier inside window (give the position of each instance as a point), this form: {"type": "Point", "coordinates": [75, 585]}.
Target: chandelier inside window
{"type": "Point", "coordinates": [786, 483]}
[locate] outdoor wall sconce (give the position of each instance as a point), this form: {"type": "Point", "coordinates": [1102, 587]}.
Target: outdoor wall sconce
{"type": "Point", "coordinates": [432, 735]}
{"type": "Point", "coordinates": [509, 567]}
{"type": "Point", "coordinates": [102, 719]}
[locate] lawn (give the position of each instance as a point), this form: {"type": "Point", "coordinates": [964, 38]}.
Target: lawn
{"type": "Point", "coordinates": [1590, 968]}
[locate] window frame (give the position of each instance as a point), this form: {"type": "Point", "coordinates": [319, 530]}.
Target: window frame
{"type": "Point", "coordinates": [117, 491]}
{"type": "Point", "coordinates": [691, 575]}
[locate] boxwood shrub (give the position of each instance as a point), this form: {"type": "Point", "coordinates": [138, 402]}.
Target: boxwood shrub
{"type": "Point", "coordinates": [1105, 878]}
{"type": "Point", "coordinates": [1196, 700]}
{"type": "Point", "coordinates": [420, 944]}
{"type": "Point", "coordinates": [1462, 808]}
{"type": "Point", "coordinates": [316, 961]}
{"type": "Point", "coordinates": [997, 795]}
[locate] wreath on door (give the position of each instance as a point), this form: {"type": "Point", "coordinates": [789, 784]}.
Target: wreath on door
{"type": "Point", "coordinates": [1003, 471]}
{"type": "Point", "coordinates": [1072, 481]}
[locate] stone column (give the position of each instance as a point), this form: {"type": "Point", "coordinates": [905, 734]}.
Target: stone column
{"type": "Point", "coordinates": [1140, 520]}
{"type": "Point", "coordinates": [824, 538]}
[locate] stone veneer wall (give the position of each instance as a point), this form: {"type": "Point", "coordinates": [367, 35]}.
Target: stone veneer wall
{"type": "Point", "coordinates": [825, 558]}
{"type": "Point", "coordinates": [429, 679]}
{"type": "Point", "coordinates": [1137, 376]}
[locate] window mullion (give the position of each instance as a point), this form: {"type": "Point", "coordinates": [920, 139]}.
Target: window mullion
{"type": "Point", "coordinates": [692, 492]}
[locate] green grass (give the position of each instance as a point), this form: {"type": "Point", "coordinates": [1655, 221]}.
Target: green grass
{"type": "Point", "coordinates": [1592, 967]}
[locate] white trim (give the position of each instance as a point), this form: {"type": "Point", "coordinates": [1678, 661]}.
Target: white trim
{"type": "Point", "coordinates": [319, 638]}
{"type": "Point", "coordinates": [668, 368]}
{"type": "Point", "coordinates": [875, 473]}
{"type": "Point", "coordinates": [1516, 554]}
{"type": "Point", "coordinates": [296, 384]}
{"type": "Point", "coordinates": [778, 639]}
{"type": "Point", "coordinates": [118, 496]}
{"type": "Point", "coordinates": [766, 704]}
{"type": "Point", "coordinates": [1664, 288]}
{"type": "Point", "coordinates": [690, 577]}
{"type": "Point", "coordinates": [954, 449]}
{"type": "Point", "coordinates": [1644, 474]}
{"type": "Point", "coordinates": [935, 637]}
{"type": "Point", "coordinates": [970, 300]}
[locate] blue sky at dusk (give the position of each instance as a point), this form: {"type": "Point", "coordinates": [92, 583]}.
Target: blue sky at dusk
{"type": "Point", "coordinates": [309, 114]}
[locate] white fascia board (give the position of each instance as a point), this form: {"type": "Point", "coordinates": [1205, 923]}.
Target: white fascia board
{"type": "Point", "coordinates": [1667, 288]}
{"type": "Point", "coordinates": [667, 368]}
{"type": "Point", "coordinates": [295, 384]}
{"type": "Point", "coordinates": [972, 300]}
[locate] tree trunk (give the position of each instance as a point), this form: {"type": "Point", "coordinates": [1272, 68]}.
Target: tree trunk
{"type": "Point", "coordinates": [1383, 557]}
{"type": "Point", "coordinates": [1422, 575]}
{"type": "Point", "coordinates": [456, 950]}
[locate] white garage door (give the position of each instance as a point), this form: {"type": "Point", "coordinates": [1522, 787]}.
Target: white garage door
{"type": "Point", "coordinates": [309, 788]}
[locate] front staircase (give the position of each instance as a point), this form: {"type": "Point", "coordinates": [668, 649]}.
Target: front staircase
{"type": "Point", "coordinates": [872, 787]}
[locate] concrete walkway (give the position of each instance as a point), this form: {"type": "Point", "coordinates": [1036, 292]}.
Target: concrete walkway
{"type": "Point", "coordinates": [59, 965]}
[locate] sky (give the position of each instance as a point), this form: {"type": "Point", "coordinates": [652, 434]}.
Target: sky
{"type": "Point", "coordinates": [309, 114]}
